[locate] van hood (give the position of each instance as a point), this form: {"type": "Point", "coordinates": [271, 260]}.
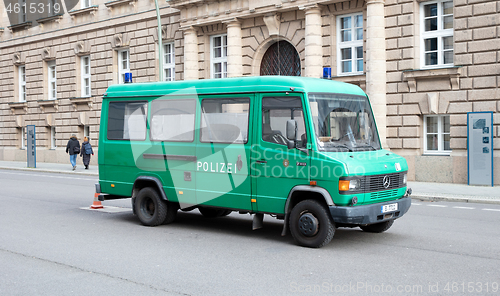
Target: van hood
{"type": "Point", "coordinates": [370, 162]}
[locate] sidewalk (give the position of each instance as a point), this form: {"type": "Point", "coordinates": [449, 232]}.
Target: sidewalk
{"type": "Point", "coordinates": [421, 190]}
{"type": "Point", "coordinates": [60, 168]}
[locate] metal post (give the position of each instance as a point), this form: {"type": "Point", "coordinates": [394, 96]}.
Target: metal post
{"type": "Point", "coordinates": [160, 39]}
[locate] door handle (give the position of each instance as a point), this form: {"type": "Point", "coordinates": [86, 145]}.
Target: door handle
{"type": "Point", "coordinates": [261, 161]}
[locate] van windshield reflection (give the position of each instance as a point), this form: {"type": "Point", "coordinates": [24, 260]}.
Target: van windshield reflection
{"type": "Point", "coordinates": [343, 122]}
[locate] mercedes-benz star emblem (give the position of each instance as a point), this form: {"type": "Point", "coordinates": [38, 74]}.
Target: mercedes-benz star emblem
{"type": "Point", "coordinates": [387, 182]}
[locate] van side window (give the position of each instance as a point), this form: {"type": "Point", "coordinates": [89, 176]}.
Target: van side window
{"type": "Point", "coordinates": [173, 120]}
{"type": "Point", "coordinates": [127, 120]}
{"type": "Point", "coordinates": [275, 112]}
{"type": "Point", "coordinates": [224, 120]}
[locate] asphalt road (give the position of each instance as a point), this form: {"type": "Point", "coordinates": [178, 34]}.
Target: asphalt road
{"type": "Point", "coordinates": [50, 246]}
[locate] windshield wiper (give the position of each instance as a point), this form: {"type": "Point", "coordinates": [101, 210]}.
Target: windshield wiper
{"type": "Point", "coordinates": [365, 146]}
{"type": "Point", "coordinates": [342, 146]}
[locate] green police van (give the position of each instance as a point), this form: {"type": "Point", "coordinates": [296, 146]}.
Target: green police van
{"type": "Point", "coordinates": [302, 150]}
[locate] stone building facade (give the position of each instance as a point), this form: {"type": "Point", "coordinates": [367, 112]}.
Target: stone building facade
{"type": "Point", "coordinates": [424, 64]}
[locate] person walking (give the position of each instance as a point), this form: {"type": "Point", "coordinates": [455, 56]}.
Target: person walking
{"type": "Point", "coordinates": [73, 148]}
{"type": "Point", "coordinates": [85, 152]}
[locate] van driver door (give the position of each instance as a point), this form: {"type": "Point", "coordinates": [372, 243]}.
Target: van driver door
{"type": "Point", "coordinates": [275, 168]}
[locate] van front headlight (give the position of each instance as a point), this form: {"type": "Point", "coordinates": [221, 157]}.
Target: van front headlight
{"type": "Point", "coordinates": [349, 185]}
{"type": "Point", "coordinates": [405, 178]}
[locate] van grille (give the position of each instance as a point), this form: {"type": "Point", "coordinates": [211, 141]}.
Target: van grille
{"type": "Point", "coordinates": [375, 183]}
{"type": "Point", "coordinates": [384, 194]}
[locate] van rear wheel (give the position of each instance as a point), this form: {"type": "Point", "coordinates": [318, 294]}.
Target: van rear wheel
{"type": "Point", "coordinates": [378, 227]}
{"type": "Point", "coordinates": [151, 209]}
{"type": "Point", "coordinates": [310, 224]}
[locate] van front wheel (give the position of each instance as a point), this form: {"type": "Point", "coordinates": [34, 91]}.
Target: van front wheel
{"type": "Point", "coordinates": [311, 225]}
{"type": "Point", "coordinates": [150, 208]}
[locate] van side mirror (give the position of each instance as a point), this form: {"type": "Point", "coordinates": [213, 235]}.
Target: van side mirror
{"type": "Point", "coordinates": [291, 133]}
{"type": "Point", "coordinates": [291, 130]}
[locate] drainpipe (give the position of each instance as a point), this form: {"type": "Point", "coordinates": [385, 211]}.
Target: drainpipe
{"type": "Point", "coordinates": [160, 39]}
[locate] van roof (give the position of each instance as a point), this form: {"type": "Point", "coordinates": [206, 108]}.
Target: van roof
{"type": "Point", "coordinates": [232, 85]}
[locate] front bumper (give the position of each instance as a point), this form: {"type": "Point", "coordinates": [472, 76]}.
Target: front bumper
{"type": "Point", "coordinates": [369, 214]}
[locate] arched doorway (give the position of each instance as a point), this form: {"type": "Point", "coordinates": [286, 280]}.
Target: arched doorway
{"type": "Point", "coordinates": [281, 58]}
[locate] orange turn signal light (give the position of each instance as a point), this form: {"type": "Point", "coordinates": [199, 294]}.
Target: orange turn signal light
{"type": "Point", "coordinates": [312, 183]}
{"type": "Point", "coordinates": [343, 185]}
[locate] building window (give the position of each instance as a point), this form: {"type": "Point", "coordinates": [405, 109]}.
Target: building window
{"type": "Point", "coordinates": [51, 6]}
{"type": "Point", "coordinates": [85, 68]}
{"type": "Point", "coordinates": [437, 134]}
{"type": "Point", "coordinates": [53, 137]}
{"type": "Point", "coordinates": [218, 53]}
{"type": "Point", "coordinates": [281, 58]}
{"type": "Point", "coordinates": [22, 83]}
{"type": "Point", "coordinates": [86, 131]}
{"type": "Point", "coordinates": [350, 44]}
{"type": "Point", "coordinates": [86, 3]}
{"type": "Point", "coordinates": [169, 61]}
{"type": "Point", "coordinates": [22, 11]}
{"type": "Point", "coordinates": [123, 65]}
{"type": "Point", "coordinates": [437, 33]}
{"type": "Point", "coordinates": [52, 79]}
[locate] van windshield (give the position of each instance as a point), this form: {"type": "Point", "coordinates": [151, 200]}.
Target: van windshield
{"type": "Point", "coordinates": [343, 122]}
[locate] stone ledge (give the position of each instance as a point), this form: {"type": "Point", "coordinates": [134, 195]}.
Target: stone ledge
{"type": "Point", "coordinates": [42, 104]}
{"type": "Point", "coordinates": [20, 26]}
{"type": "Point", "coordinates": [56, 18]}
{"type": "Point", "coordinates": [112, 4]}
{"type": "Point", "coordinates": [412, 76]}
{"type": "Point", "coordinates": [89, 10]}
{"type": "Point", "coordinates": [81, 100]}
{"type": "Point", "coordinates": [18, 105]}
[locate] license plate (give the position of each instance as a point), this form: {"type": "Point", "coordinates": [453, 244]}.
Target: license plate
{"type": "Point", "coordinates": [390, 208]}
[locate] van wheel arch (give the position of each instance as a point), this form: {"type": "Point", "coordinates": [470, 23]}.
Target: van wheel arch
{"type": "Point", "coordinates": [143, 182]}
{"type": "Point", "coordinates": [148, 181]}
{"type": "Point", "coordinates": [301, 193]}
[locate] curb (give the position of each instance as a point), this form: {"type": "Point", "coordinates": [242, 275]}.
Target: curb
{"type": "Point", "coordinates": [50, 171]}
{"type": "Point", "coordinates": [450, 198]}
{"type": "Point", "coordinates": [422, 196]}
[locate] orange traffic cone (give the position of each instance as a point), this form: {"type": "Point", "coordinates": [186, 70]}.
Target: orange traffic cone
{"type": "Point", "coordinates": [97, 203]}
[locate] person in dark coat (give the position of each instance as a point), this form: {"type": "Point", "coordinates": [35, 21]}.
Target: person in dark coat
{"type": "Point", "coordinates": [73, 148]}
{"type": "Point", "coordinates": [86, 151]}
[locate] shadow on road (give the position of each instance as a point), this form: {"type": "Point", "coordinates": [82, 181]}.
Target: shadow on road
{"type": "Point", "coordinates": [241, 225]}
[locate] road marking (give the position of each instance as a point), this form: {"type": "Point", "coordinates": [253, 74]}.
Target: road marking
{"type": "Point", "coordinates": [465, 208]}
{"type": "Point", "coordinates": [416, 204]}
{"type": "Point", "coordinates": [51, 176]}
{"type": "Point", "coordinates": [108, 209]}
{"type": "Point", "coordinates": [437, 206]}
{"type": "Point", "coordinates": [494, 210]}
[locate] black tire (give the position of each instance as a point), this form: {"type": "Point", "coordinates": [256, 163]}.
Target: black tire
{"type": "Point", "coordinates": [150, 208]}
{"type": "Point", "coordinates": [378, 227]}
{"type": "Point", "coordinates": [212, 212]}
{"type": "Point", "coordinates": [172, 209]}
{"type": "Point", "coordinates": [310, 224]}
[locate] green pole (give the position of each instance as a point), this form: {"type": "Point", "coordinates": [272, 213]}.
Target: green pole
{"type": "Point", "coordinates": [160, 39]}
